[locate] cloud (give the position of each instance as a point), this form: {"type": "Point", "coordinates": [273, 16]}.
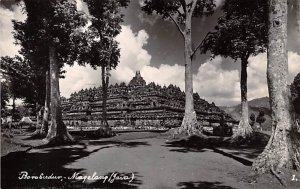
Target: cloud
{"type": "Point", "coordinates": [7, 47]}
{"type": "Point", "coordinates": [294, 65]}
{"type": "Point", "coordinates": [212, 81]}
{"type": "Point", "coordinates": [215, 84]}
{"type": "Point", "coordinates": [133, 55]}
{"type": "Point", "coordinates": [257, 79]}
{"type": "Point", "coordinates": [82, 6]}
{"type": "Point", "coordinates": [77, 78]}
{"type": "Point", "coordinates": [141, 3]}
{"type": "Point", "coordinates": [164, 75]}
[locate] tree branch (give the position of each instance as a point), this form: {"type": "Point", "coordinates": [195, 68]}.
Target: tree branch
{"type": "Point", "coordinates": [179, 13]}
{"type": "Point", "coordinates": [200, 44]}
{"type": "Point", "coordinates": [193, 7]}
{"type": "Point", "coordinates": [183, 4]}
{"type": "Point", "coordinates": [178, 26]}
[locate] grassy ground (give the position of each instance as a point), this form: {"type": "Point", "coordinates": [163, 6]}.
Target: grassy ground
{"type": "Point", "coordinates": [11, 142]}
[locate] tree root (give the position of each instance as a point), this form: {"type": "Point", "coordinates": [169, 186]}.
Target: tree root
{"type": "Point", "coordinates": [243, 133]}
{"type": "Point", "coordinates": [104, 132]}
{"type": "Point", "coordinates": [37, 135]}
{"type": "Point", "coordinates": [178, 132]}
{"type": "Point", "coordinates": [278, 177]}
{"type": "Point", "coordinates": [58, 141]}
{"type": "Point", "coordinates": [188, 127]}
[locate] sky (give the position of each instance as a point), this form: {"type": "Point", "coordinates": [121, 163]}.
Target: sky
{"type": "Point", "coordinates": [155, 48]}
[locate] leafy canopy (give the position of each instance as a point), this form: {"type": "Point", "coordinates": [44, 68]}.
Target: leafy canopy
{"type": "Point", "coordinates": [295, 91]}
{"type": "Point", "coordinates": [22, 80]}
{"type": "Point", "coordinates": [178, 8]}
{"type": "Point", "coordinates": [51, 22]}
{"type": "Point", "coordinates": [101, 48]}
{"type": "Point", "coordinates": [241, 31]}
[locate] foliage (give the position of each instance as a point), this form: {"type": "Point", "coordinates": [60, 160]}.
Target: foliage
{"type": "Point", "coordinates": [260, 118]}
{"type": "Point", "coordinates": [178, 8]}
{"type": "Point", "coordinates": [252, 119]}
{"type": "Point", "coordinates": [241, 31]}
{"type": "Point", "coordinates": [4, 94]}
{"type": "Point", "coordinates": [21, 79]}
{"type": "Point", "coordinates": [51, 21]}
{"type": "Point", "coordinates": [295, 91]}
{"type": "Point", "coordinates": [44, 23]}
{"type": "Point", "coordinates": [101, 48]}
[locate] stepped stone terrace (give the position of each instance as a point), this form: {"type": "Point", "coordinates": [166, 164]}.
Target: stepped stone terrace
{"type": "Point", "coordinates": [138, 106]}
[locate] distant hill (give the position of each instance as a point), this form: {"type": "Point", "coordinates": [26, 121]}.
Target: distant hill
{"type": "Point", "coordinates": [254, 106]}
{"type": "Point", "coordinates": [260, 102]}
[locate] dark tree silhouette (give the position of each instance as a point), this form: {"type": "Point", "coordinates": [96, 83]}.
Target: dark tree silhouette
{"type": "Point", "coordinates": [58, 29]}
{"type": "Point", "coordinates": [102, 49]}
{"type": "Point", "coordinates": [22, 81]}
{"type": "Point", "coordinates": [252, 119]}
{"type": "Point", "coordinates": [35, 51]}
{"type": "Point", "coordinates": [4, 94]}
{"type": "Point", "coordinates": [240, 33]}
{"type": "Point", "coordinates": [295, 90]}
{"type": "Point", "coordinates": [261, 118]}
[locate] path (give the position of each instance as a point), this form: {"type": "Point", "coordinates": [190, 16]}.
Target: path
{"type": "Point", "coordinates": [155, 163]}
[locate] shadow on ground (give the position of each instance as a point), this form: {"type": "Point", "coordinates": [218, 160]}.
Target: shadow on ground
{"type": "Point", "coordinates": [246, 152]}
{"type": "Point", "coordinates": [128, 144]}
{"type": "Point", "coordinates": [202, 185]}
{"type": "Point", "coordinates": [199, 144]}
{"type": "Point", "coordinates": [193, 144]}
{"type": "Point", "coordinates": [53, 161]}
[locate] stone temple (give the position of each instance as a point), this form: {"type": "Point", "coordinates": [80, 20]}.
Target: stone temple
{"type": "Point", "coordinates": [138, 106]}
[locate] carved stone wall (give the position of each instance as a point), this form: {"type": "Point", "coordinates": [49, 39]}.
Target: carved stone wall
{"type": "Point", "coordinates": [138, 105]}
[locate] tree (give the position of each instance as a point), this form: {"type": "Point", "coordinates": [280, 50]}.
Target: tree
{"type": "Point", "coordinates": [295, 90]}
{"type": "Point", "coordinates": [4, 94]}
{"type": "Point", "coordinates": [35, 51]}
{"type": "Point", "coordinates": [252, 119]}
{"type": "Point", "coordinates": [21, 81]}
{"type": "Point", "coordinates": [102, 50]}
{"type": "Point", "coordinates": [241, 32]}
{"type": "Point", "coordinates": [283, 148]}
{"type": "Point", "coordinates": [261, 118]}
{"type": "Point", "coordinates": [181, 13]}
{"type": "Point", "coordinates": [59, 31]}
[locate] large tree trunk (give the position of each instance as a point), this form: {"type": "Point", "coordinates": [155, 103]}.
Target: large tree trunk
{"type": "Point", "coordinates": [189, 124]}
{"type": "Point", "coordinates": [104, 96]}
{"type": "Point", "coordinates": [244, 129]}
{"type": "Point", "coordinates": [36, 133]}
{"type": "Point", "coordinates": [104, 130]}
{"type": "Point", "coordinates": [44, 128]}
{"type": "Point", "coordinates": [283, 149]}
{"type": "Point", "coordinates": [57, 133]}
{"type": "Point", "coordinates": [42, 131]}
{"type": "Point", "coordinates": [38, 115]}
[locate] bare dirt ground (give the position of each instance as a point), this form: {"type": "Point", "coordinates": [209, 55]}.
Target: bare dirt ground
{"type": "Point", "coordinates": [132, 160]}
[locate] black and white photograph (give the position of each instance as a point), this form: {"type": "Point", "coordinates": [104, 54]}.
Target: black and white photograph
{"type": "Point", "coordinates": [150, 94]}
